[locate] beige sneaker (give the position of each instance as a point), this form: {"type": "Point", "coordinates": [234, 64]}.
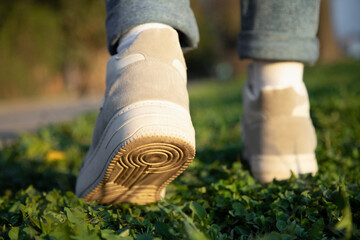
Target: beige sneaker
{"type": "Point", "coordinates": [279, 137]}
{"type": "Point", "coordinates": [143, 137]}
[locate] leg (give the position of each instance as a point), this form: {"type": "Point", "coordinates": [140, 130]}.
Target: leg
{"type": "Point", "coordinates": [143, 137]}
{"type": "Point", "coordinates": [280, 36]}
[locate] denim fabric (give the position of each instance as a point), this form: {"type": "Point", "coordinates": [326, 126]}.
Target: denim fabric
{"type": "Point", "coordinates": [282, 30]}
{"type": "Point", "coordinates": [279, 30]}
{"type": "Point", "coordinates": [122, 15]}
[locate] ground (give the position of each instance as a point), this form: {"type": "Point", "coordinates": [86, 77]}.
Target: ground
{"type": "Point", "coordinates": [216, 198]}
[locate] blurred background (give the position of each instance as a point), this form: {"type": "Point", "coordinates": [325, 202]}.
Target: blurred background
{"type": "Point", "coordinates": [58, 48]}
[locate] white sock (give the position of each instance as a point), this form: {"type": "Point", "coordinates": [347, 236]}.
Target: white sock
{"type": "Point", "coordinates": [129, 37]}
{"type": "Point", "coordinates": [277, 75]}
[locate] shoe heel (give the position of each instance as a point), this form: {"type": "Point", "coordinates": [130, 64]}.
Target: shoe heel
{"type": "Point", "coordinates": [152, 142]}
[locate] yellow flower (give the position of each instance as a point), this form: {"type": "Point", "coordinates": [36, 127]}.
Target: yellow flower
{"type": "Point", "coordinates": [54, 155]}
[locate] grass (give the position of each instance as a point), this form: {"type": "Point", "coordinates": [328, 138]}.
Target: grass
{"type": "Point", "coordinates": [216, 198]}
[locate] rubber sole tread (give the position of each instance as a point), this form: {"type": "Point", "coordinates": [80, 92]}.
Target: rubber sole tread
{"type": "Point", "coordinates": [141, 169]}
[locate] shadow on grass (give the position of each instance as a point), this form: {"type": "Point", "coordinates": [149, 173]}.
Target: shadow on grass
{"type": "Point", "coordinates": [27, 162]}
{"type": "Point", "coordinates": [16, 174]}
{"type": "Point", "coordinates": [211, 166]}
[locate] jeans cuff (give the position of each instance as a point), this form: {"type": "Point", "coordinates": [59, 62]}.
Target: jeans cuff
{"type": "Point", "coordinates": [277, 46]}
{"type": "Point", "coordinates": [126, 14]}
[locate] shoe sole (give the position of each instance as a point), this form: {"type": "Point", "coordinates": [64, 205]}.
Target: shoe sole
{"type": "Point", "coordinates": [267, 168]}
{"type": "Point", "coordinates": [151, 143]}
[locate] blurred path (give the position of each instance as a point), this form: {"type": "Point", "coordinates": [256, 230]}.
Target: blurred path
{"type": "Point", "coordinates": [28, 115]}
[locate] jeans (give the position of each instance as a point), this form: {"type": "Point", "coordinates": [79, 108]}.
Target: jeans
{"type": "Point", "coordinates": [283, 30]}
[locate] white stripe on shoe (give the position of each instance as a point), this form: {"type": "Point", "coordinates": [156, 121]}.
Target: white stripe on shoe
{"type": "Point", "coordinates": [180, 67]}
{"type": "Point", "coordinates": [127, 60]}
{"type": "Point", "coordinates": [302, 110]}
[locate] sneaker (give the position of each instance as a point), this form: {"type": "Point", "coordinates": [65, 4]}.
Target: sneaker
{"type": "Point", "coordinates": [278, 134]}
{"type": "Point", "coordinates": [143, 137]}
